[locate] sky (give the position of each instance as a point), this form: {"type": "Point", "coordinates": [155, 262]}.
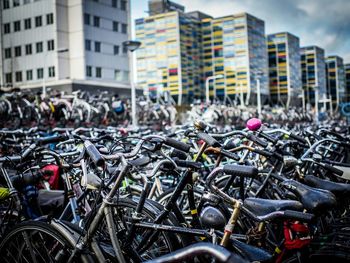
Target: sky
{"type": "Point", "coordinates": [325, 23]}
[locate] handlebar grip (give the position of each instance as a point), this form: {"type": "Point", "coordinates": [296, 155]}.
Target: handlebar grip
{"type": "Point", "coordinates": [264, 153]}
{"type": "Point", "coordinates": [333, 169]}
{"type": "Point", "coordinates": [298, 138]}
{"type": "Point", "coordinates": [305, 217]}
{"type": "Point", "coordinates": [278, 156]}
{"type": "Point", "coordinates": [188, 164]}
{"type": "Point", "coordinates": [52, 139]}
{"type": "Point", "coordinates": [94, 154]}
{"type": "Point", "coordinates": [230, 155]}
{"type": "Point", "coordinates": [28, 150]}
{"type": "Point", "coordinates": [257, 140]}
{"type": "Point", "coordinates": [208, 139]}
{"type": "Point", "coordinates": [179, 154]}
{"type": "Point", "coordinates": [177, 144]}
{"type": "Point", "coordinates": [268, 137]}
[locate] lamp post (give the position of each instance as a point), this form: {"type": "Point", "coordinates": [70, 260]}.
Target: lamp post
{"type": "Point", "coordinates": [258, 92]}
{"type": "Point", "coordinates": [207, 86]}
{"type": "Point", "coordinates": [131, 46]}
{"type": "Point", "coordinates": [44, 80]}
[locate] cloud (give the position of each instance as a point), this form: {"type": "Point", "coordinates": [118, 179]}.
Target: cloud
{"type": "Point", "coordinates": [316, 22]}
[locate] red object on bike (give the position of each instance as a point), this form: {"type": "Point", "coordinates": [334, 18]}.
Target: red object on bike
{"type": "Point", "coordinates": [253, 124]}
{"type": "Point", "coordinates": [54, 178]}
{"type": "Point", "coordinates": [296, 235]}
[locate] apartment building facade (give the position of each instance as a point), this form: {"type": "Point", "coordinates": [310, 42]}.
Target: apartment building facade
{"type": "Point", "coordinates": [181, 50]}
{"type": "Point", "coordinates": [347, 82]}
{"type": "Point", "coordinates": [234, 47]}
{"type": "Point", "coordinates": [313, 72]}
{"type": "Point", "coordinates": [284, 68]}
{"type": "Point", "coordinates": [335, 76]}
{"type": "Point", "coordinates": [68, 44]}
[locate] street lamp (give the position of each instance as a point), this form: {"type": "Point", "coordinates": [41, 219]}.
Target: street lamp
{"type": "Point", "coordinates": [44, 80]}
{"type": "Point", "coordinates": [132, 45]}
{"type": "Point", "coordinates": [207, 86]}
{"type": "Point", "coordinates": [258, 92]}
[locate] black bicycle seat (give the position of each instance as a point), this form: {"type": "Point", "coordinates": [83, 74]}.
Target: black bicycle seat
{"type": "Point", "coordinates": [313, 199]}
{"type": "Point", "coordinates": [261, 207]}
{"type": "Point", "coordinates": [339, 189]}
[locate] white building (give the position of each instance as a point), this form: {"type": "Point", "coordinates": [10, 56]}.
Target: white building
{"type": "Point", "coordinates": [67, 44]}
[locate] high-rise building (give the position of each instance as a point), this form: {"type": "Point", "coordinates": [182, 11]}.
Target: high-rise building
{"type": "Point", "coordinates": [347, 82]}
{"type": "Point", "coordinates": [68, 44]}
{"type": "Point", "coordinates": [313, 72]}
{"type": "Point", "coordinates": [235, 46]}
{"type": "Point", "coordinates": [284, 68]}
{"type": "Point", "coordinates": [169, 57]}
{"type": "Point", "coordinates": [335, 76]}
{"type": "Point", "coordinates": [181, 50]}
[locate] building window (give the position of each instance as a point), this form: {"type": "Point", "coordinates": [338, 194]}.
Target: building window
{"type": "Point", "coordinates": [26, 2]}
{"type": "Point", "coordinates": [114, 3]}
{"type": "Point", "coordinates": [116, 50]}
{"type": "Point", "coordinates": [6, 4]}
{"type": "Point", "coordinates": [38, 21]}
{"type": "Point", "coordinates": [97, 46]}
{"type": "Point", "coordinates": [86, 19]}
{"type": "Point", "coordinates": [17, 26]}
{"type": "Point", "coordinates": [15, 3]}
{"type": "Point", "coordinates": [117, 75]}
{"type": "Point", "coordinates": [8, 77]}
{"type": "Point", "coordinates": [27, 23]}
{"type": "Point", "coordinates": [51, 72]}
{"type": "Point", "coordinates": [18, 76]}
{"type": "Point", "coordinates": [49, 19]}
{"type": "Point", "coordinates": [39, 47]}
{"type": "Point", "coordinates": [40, 73]}
{"type": "Point", "coordinates": [29, 74]}
{"type": "Point", "coordinates": [18, 51]}
{"type": "Point", "coordinates": [7, 28]}
{"type": "Point", "coordinates": [88, 71]}
{"type": "Point", "coordinates": [28, 49]}
{"type": "Point", "coordinates": [124, 28]}
{"type": "Point", "coordinates": [115, 26]}
{"type": "Point", "coordinates": [123, 5]}
{"type": "Point", "coordinates": [7, 52]}
{"type": "Point", "coordinates": [87, 44]}
{"type": "Point", "coordinates": [50, 45]}
{"type": "Point", "coordinates": [98, 72]}
{"type": "Point", "coordinates": [96, 21]}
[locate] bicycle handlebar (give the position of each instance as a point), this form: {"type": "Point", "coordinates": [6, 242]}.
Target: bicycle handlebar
{"type": "Point", "coordinates": [220, 253]}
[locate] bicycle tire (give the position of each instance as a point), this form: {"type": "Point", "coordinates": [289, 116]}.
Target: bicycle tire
{"type": "Point", "coordinates": [35, 241]}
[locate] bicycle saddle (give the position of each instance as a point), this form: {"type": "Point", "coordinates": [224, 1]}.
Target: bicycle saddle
{"type": "Point", "coordinates": [339, 189]}
{"type": "Point", "coordinates": [313, 199]}
{"type": "Point", "coordinates": [261, 207]}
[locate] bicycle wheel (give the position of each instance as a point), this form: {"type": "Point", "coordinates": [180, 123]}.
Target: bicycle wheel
{"type": "Point", "coordinates": [34, 242]}
{"type": "Point", "coordinates": [165, 242]}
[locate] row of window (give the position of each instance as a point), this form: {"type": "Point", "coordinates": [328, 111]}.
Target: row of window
{"type": "Point", "coordinates": [27, 23]}
{"type": "Point", "coordinates": [29, 74]}
{"type": "Point", "coordinates": [97, 47]}
{"type": "Point", "coordinates": [122, 4]}
{"type": "Point", "coordinates": [6, 3]}
{"type": "Point", "coordinates": [39, 47]}
{"type": "Point", "coordinates": [95, 21]}
{"type": "Point", "coordinates": [119, 75]}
